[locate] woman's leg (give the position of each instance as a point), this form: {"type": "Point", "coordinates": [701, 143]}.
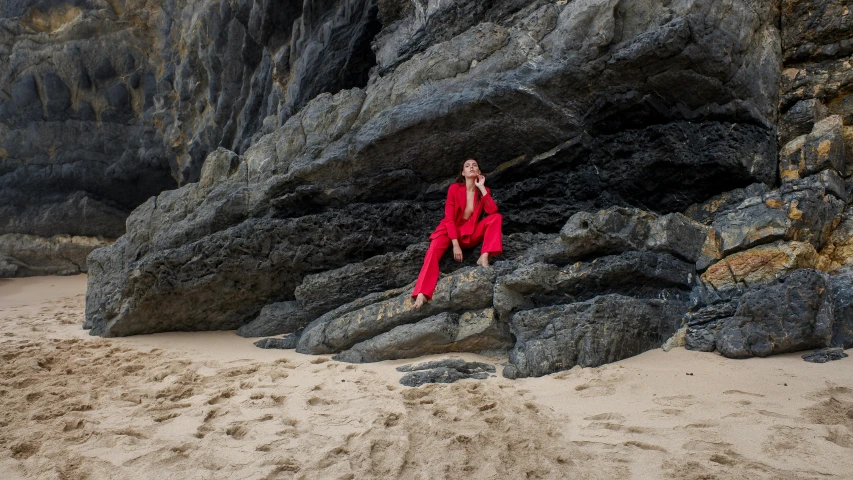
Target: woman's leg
{"type": "Point", "coordinates": [489, 230]}
{"type": "Point", "coordinates": [429, 272]}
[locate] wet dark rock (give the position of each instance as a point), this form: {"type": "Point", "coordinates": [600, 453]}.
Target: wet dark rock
{"type": "Point", "coordinates": [824, 355]}
{"type": "Point", "coordinates": [287, 342]}
{"type": "Point", "coordinates": [276, 319]}
{"type": "Point", "coordinates": [601, 330]}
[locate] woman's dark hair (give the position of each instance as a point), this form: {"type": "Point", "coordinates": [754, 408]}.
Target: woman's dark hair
{"type": "Point", "coordinates": [461, 178]}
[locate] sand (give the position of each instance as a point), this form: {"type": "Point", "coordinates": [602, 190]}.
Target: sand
{"type": "Point", "coordinates": [211, 405]}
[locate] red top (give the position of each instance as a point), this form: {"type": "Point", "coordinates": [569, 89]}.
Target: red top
{"type": "Point", "coordinates": [454, 209]}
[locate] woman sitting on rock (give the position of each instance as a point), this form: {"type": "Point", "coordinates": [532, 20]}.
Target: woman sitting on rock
{"type": "Point", "coordinates": [462, 227]}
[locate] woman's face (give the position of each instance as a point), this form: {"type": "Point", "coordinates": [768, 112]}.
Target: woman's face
{"type": "Point", "coordinates": [470, 168]}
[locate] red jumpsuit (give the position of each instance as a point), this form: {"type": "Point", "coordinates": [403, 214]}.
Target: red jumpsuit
{"type": "Point", "coordinates": [469, 232]}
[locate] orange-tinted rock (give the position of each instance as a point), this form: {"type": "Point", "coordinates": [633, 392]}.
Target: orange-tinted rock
{"type": "Point", "coordinates": [760, 264]}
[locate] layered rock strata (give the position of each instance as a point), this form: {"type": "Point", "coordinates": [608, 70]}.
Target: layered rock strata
{"type": "Point", "coordinates": [104, 104]}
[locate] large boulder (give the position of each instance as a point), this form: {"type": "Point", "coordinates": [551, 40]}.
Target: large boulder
{"type": "Point", "coordinates": [466, 289]}
{"type": "Point", "coordinates": [478, 332]}
{"type": "Point", "coordinates": [276, 319]}
{"type": "Point", "coordinates": [602, 330]}
{"type": "Point", "coordinates": [792, 314]}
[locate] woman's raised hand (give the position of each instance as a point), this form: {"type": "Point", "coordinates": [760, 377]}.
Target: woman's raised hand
{"type": "Point", "coordinates": [480, 182]}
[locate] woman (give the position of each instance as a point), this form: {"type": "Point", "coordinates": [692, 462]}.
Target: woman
{"type": "Point", "coordinates": [462, 228]}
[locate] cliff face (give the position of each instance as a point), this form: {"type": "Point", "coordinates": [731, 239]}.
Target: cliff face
{"type": "Point", "coordinates": [657, 164]}
{"type": "Point", "coordinates": [105, 104]}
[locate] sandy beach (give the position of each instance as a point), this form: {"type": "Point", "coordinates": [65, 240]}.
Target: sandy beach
{"type": "Point", "coordinates": [211, 405]}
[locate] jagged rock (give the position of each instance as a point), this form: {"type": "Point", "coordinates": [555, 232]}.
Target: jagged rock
{"type": "Point", "coordinates": [636, 274]}
{"type": "Point", "coordinates": [276, 319]}
{"type": "Point", "coordinates": [466, 289]}
{"type": "Point", "coordinates": [602, 330]}
{"type": "Point", "coordinates": [760, 264]}
{"type": "Point", "coordinates": [29, 255]}
{"type": "Point", "coordinates": [821, 149]}
{"type": "Point", "coordinates": [805, 210]}
{"type": "Point", "coordinates": [444, 371]}
{"type": "Point", "coordinates": [800, 119]}
{"type": "Point", "coordinates": [841, 284]}
{"type": "Point", "coordinates": [119, 101]}
{"type": "Point", "coordinates": [838, 251]}
{"type": "Point", "coordinates": [792, 314]}
{"type": "Point", "coordinates": [719, 205]}
{"type": "Point", "coordinates": [815, 29]}
{"type": "Point", "coordinates": [704, 323]}
{"type": "Point", "coordinates": [287, 342]}
{"type": "Point", "coordinates": [824, 355]}
{"type": "Point", "coordinates": [618, 229]}
{"type": "Point", "coordinates": [560, 119]}
{"type": "Point", "coordinates": [443, 333]}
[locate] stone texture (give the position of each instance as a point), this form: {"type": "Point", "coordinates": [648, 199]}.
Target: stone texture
{"type": "Point", "coordinates": [467, 289]}
{"type": "Point", "coordinates": [568, 106]}
{"type": "Point", "coordinates": [760, 265]}
{"type": "Point", "coordinates": [618, 229]}
{"type": "Point", "coordinates": [276, 319]}
{"type": "Point", "coordinates": [824, 355]}
{"type": "Point", "coordinates": [443, 333]}
{"type": "Point", "coordinates": [792, 314]}
{"type": "Point", "coordinates": [821, 149]}
{"type": "Point", "coordinates": [444, 371]}
{"type": "Point", "coordinates": [602, 330]}
{"type": "Point", "coordinates": [841, 284]}
{"type": "Point", "coordinates": [838, 251]}
{"type": "Point", "coordinates": [110, 103]}
{"type": "Point", "coordinates": [800, 119]}
{"type": "Point", "coordinates": [287, 342]}
{"type": "Point", "coordinates": [28, 255]}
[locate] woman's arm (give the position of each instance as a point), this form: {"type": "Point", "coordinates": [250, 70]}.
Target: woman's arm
{"type": "Point", "coordinates": [449, 211]}
{"type": "Point", "coordinates": [486, 197]}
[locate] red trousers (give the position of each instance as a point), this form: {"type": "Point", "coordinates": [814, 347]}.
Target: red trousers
{"type": "Point", "coordinates": [488, 231]}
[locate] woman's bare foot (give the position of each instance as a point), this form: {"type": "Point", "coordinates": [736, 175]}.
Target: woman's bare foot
{"type": "Point", "coordinates": [420, 301]}
{"type": "Point", "coordinates": [483, 261]}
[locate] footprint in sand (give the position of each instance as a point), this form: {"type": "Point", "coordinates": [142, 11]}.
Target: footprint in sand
{"type": "Point", "coordinates": [607, 417]}
{"type": "Point", "coordinates": [678, 401]}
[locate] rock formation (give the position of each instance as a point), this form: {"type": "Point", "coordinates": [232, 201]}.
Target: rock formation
{"type": "Point", "coordinates": [658, 165]}
{"type": "Point", "coordinates": [104, 104]}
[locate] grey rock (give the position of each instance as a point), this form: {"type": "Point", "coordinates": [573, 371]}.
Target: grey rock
{"type": "Point", "coordinates": [276, 319]}
{"type": "Point", "coordinates": [455, 363]}
{"type": "Point", "coordinates": [824, 355]}
{"type": "Point", "coordinates": [800, 119]}
{"type": "Point", "coordinates": [466, 289]}
{"type": "Point", "coordinates": [804, 210]}
{"type": "Point", "coordinates": [438, 375]}
{"type": "Point", "coordinates": [704, 324]}
{"type": "Point", "coordinates": [841, 284]}
{"type": "Point", "coordinates": [792, 314]}
{"type": "Point", "coordinates": [601, 330]}
{"type": "Point", "coordinates": [444, 371]}
{"type": "Point", "coordinates": [374, 161]}
{"type": "Point", "coordinates": [821, 149]}
{"type": "Point", "coordinates": [28, 255]}
{"type": "Point", "coordinates": [619, 229]}
{"type": "Point", "coordinates": [287, 342]}
{"type": "Point", "coordinates": [443, 333]}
